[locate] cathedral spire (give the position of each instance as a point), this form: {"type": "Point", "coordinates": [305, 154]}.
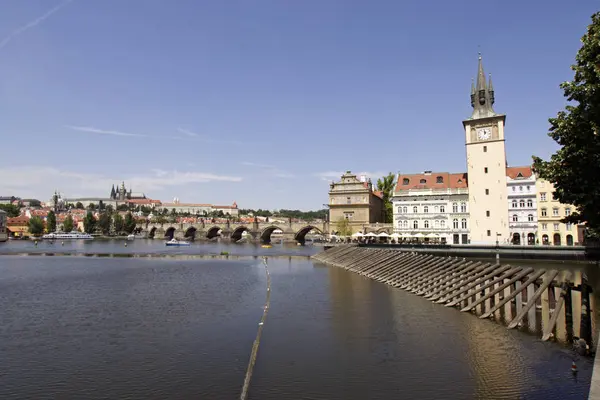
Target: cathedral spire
{"type": "Point", "coordinates": [482, 95]}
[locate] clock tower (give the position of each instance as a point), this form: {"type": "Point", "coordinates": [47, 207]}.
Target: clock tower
{"type": "Point", "coordinates": [486, 165]}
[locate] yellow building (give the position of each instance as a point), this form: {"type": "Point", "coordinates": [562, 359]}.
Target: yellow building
{"type": "Point", "coordinates": [355, 200]}
{"type": "Point", "coordinates": [550, 212]}
{"type": "Point", "coordinates": [18, 226]}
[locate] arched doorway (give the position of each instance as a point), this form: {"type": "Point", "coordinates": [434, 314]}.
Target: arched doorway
{"type": "Point", "coordinates": [545, 240]}
{"type": "Point", "coordinates": [516, 239]}
{"type": "Point", "coordinates": [556, 239]}
{"type": "Point", "coordinates": [569, 240]}
{"type": "Point", "coordinates": [530, 239]}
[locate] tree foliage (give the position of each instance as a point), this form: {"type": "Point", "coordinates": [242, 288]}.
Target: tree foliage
{"type": "Point", "coordinates": [118, 223]}
{"type": "Point", "coordinates": [104, 223]}
{"type": "Point", "coordinates": [79, 205]}
{"type": "Point", "coordinates": [386, 185]}
{"type": "Point", "coordinates": [575, 168]}
{"type": "Point", "coordinates": [68, 224]}
{"type": "Point", "coordinates": [89, 222]}
{"type": "Point", "coordinates": [51, 221]}
{"type": "Point", "coordinates": [12, 210]}
{"type": "Point", "coordinates": [36, 226]}
{"type": "Point", "coordinates": [343, 227]}
{"type": "Point", "coordinates": [284, 213]}
{"type": "Point", "coordinates": [129, 223]}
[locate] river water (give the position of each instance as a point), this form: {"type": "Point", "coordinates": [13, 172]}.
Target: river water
{"type": "Point", "coordinates": [181, 326]}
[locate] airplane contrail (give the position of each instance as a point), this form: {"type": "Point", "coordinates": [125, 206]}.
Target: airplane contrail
{"type": "Point", "coordinates": [33, 23]}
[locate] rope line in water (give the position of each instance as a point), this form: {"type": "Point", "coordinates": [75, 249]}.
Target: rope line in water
{"type": "Point", "coordinates": [254, 353]}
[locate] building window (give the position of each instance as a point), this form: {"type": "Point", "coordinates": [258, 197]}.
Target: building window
{"type": "Point", "coordinates": [437, 223]}
{"type": "Point", "coordinates": [521, 188]}
{"type": "Point", "coordinates": [442, 209]}
{"type": "Point", "coordinates": [399, 210]}
{"type": "Point", "coordinates": [463, 207]}
{"type": "Point", "coordinates": [544, 212]}
{"type": "Point", "coordinates": [485, 169]}
{"type": "Point", "coordinates": [425, 209]}
{"type": "Point", "coordinates": [487, 213]}
{"type": "Point", "coordinates": [439, 179]}
{"type": "Point", "coordinates": [555, 212]}
{"type": "Point", "coordinates": [426, 224]}
{"type": "Point", "coordinates": [567, 211]}
{"type": "Point", "coordinates": [455, 223]}
{"type": "Point", "coordinates": [530, 218]}
{"type": "Point", "coordinates": [423, 181]}
{"type": "Point", "coordinates": [436, 209]}
{"type": "Point", "coordinates": [404, 210]}
{"type": "Point", "coordinates": [514, 188]}
{"type": "Point", "coordinates": [543, 196]}
{"type": "Point", "coordinates": [556, 227]}
{"type": "Point", "coordinates": [442, 224]}
{"type": "Point", "coordinates": [522, 203]}
{"type": "Point", "coordinates": [515, 218]}
{"type": "Point", "coordinates": [348, 200]}
{"type": "Point", "coordinates": [405, 224]}
{"type": "Point", "coordinates": [554, 197]}
{"type": "Point", "coordinates": [568, 226]}
{"type": "Point", "coordinates": [529, 203]}
{"type": "Point", "coordinates": [405, 181]}
{"type": "Point", "coordinates": [463, 223]}
{"type": "Point", "coordinates": [528, 188]}
{"type": "Point", "coordinates": [487, 191]}
{"type": "Point", "coordinates": [544, 227]}
{"type": "Point", "coordinates": [514, 202]}
{"type": "Point", "coordinates": [454, 207]}
{"type": "Point", "coordinates": [489, 233]}
{"type": "Point", "coordinates": [485, 149]}
{"type": "Point", "coordinates": [416, 224]}
{"type": "Point", "coordinates": [415, 209]}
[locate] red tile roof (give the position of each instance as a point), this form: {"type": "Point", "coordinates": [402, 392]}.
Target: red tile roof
{"type": "Point", "coordinates": [433, 180]}
{"type": "Point", "coordinates": [513, 172]}
{"type": "Point", "coordinates": [20, 220]}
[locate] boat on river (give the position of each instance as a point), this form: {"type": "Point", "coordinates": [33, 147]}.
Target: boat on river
{"type": "Point", "coordinates": [175, 242]}
{"type": "Point", "coordinates": [74, 235]}
{"type": "Point", "coordinates": [131, 237]}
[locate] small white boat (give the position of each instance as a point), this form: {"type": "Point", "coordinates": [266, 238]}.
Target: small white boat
{"type": "Point", "coordinates": [68, 236]}
{"type": "Point", "coordinates": [175, 242]}
{"type": "Point", "coordinates": [131, 237]}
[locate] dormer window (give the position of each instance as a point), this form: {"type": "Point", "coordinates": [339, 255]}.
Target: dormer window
{"type": "Point", "coordinates": [519, 175]}
{"type": "Point", "coordinates": [439, 179]}
{"type": "Point", "coordinates": [423, 181]}
{"type": "Point", "coordinates": [405, 181]}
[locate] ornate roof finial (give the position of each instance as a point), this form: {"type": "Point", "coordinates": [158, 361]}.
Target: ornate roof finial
{"type": "Point", "coordinates": [482, 95]}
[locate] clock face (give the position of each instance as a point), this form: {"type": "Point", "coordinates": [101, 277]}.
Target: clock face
{"type": "Point", "coordinates": [484, 133]}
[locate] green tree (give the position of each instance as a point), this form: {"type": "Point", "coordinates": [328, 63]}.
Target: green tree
{"type": "Point", "coordinates": [159, 219]}
{"type": "Point", "coordinates": [343, 227]}
{"type": "Point", "coordinates": [51, 221]}
{"type": "Point", "coordinates": [68, 224]}
{"type": "Point", "coordinates": [35, 203]}
{"type": "Point", "coordinates": [574, 169]}
{"type": "Point", "coordinates": [36, 226]}
{"type": "Point", "coordinates": [118, 223]}
{"type": "Point", "coordinates": [11, 210]}
{"type": "Point", "coordinates": [104, 223]}
{"type": "Point", "coordinates": [129, 223]}
{"type": "Point", "coordinates": [89, 222]}
{"type": "Point", "coordinates": [91, 207]}
{"type": "Point", "coordinates": [386, 186]}
{"type": "Point", "coordinates": [123, 207]}
{"type": "Point", "coordinates": [79, 205]}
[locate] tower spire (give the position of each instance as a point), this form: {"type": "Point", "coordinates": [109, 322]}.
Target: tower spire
{"type": "Point", "coordinates": [482, 95]}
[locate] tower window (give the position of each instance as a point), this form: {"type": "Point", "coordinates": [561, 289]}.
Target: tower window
{"type": "Point", "coordinates": [485, 149]}
{"type": "Point", "coordinates": [485, 169]}
{"type": "Point", "coordinates": [439, 179]}
{"type": "Point", "coordinates": [489, 233]}
{"type": "Point", "coordinates": [423, 181]}
{"type": "Point", "coordinates": [405, 181]}
{"type": "Point", "coordinates": [487, 213]}
{"type": "Point", "coordinates": [487, 191]}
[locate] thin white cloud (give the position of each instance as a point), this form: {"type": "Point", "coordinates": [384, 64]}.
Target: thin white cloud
{"type": "Point", "coordinates": [270, 169]}
{"type": "Point", "coordinates": [336, 175]}
{"type": "Point", "coordinates": [89, 129]}
{"type": "Point", "coordinates": [40, 182]}
{"type": "Point", "coordinates": [193, 136]}
{"type": "Point", "coordinates": [32, 24]}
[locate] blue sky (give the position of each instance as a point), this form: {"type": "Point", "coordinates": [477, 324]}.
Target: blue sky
{"type": "Point", "coordinates": [264, 102]}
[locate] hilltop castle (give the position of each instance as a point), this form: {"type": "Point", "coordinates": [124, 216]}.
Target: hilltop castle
{"type": "Point", "coordinates": [122, 194]}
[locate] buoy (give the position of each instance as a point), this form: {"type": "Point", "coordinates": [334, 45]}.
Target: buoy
{"type": "Point", "coordinates": [62, 243]}
{"type": "Point", "coordinates": [574, 367]}
{"type": "Point", "coordinates": [125, 244]}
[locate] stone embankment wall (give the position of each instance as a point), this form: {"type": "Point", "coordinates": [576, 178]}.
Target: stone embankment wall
{"type": "Point", "coordinates": [510, 294]}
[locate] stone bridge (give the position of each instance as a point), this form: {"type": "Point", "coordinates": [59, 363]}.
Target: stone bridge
{"type": "Point", "coordinates": [258, 231]}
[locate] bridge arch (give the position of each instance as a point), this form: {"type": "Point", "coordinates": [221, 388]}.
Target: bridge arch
{"type": "Point", "coordinates": [152, 232]}
{"type": "Point", "coordinates": [213, 232]}
{"type": "Point", "coordinates": [265, 234]}
{"type": "Point", "coordinates": [170, 232]}
{"type": "Point", "coordinates": [190, 233]}
{"type": "Point", "coordinates": [300, 236]}
{"type": "Point", "coordinates": [237, 233]}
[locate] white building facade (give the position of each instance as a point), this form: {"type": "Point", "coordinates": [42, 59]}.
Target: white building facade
{"type": "Point", "coordinates": [432, 207]}
{"type": "Point", "coordinates": [522, 206]}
